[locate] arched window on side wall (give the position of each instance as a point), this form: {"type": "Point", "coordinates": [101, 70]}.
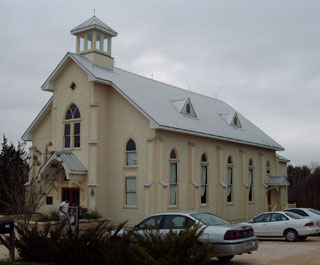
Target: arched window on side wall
{"type": "Point", "coordinates": [230, 179]}
{"type": "Point", "coordinates": [268, 168]}
{"type": "Point", "coordinates": [72, 127]}
{"type": "Point", "coordinates": [131, 153]}
{"type": "Point", "coordinates": [250, 180]}
{"type": "Point", "coordinates": [173, 178]}
{"type": "Point", "coordinates": [204, 179]}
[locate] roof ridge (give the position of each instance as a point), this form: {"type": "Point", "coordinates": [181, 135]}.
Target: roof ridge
{"type": "Point", "coordinates": [169, 84]}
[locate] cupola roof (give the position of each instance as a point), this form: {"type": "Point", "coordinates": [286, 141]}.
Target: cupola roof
{"type": "Point", "coordinates": [94, 23]}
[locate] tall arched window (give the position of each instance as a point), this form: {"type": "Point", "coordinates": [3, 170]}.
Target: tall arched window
{"type": "Point", "coordinates": [72, 127]}
{"type": "Point", "coordinates": [131, 153]}
{"type": "Point", "coordinates": [230, 179]}
{"type": "Point", "coordinates": [268, 168]}
{"type": "Point", "coordinates": [204, 179]}
{"type": "Point", "coordinates": [250, 180]}
{"type": "Point", "coordinates": [173, 177]}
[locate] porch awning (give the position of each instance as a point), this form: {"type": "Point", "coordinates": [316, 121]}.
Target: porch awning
{"type": "Point", "coordinates": [69, 162]}
{"type": "Point", "coordinates": [276, 181]}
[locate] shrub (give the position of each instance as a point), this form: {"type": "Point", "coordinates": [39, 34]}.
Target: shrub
{"type": "Point", "coordinates": [51, 215]}
{"type": "Point", "coordinates": [82, 212]}
{"type": "Point", "coordinates": [100, 245]}
{"type": "Point", "coordinates": [173, 248]}
{"type": "Point", "coordinates": [92, 215]}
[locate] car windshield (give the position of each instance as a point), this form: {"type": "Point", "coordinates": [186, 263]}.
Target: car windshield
{"type": "Point", "coordinates": [209, 219]}
{"type": "Point", "coordinates": [314, 211]}
{"type": "Point", "coordinates": [294, 215]}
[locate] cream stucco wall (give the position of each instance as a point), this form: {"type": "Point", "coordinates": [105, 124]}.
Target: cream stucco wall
{"type": "Point", "coordinates": [118, 122]}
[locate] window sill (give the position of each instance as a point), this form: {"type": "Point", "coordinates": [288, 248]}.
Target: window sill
{"type": "Point", "coordinates": [230, 204]}
{"type": "Point", "coordinates": [72, 149]}
{"type": "Point", "coordinates": [251, 202]}
{"type": "Point", "coordinates": [204, 205]}
{"type": "Point", "coordinates": [173, 206]}
{"type": "Point", "coordinates": [130, 167]}
{"type": "Point", "coordinates": [130, 207]}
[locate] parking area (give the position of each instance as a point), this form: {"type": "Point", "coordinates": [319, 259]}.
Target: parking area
{"type": "Point", "coordinates": [280, 252]}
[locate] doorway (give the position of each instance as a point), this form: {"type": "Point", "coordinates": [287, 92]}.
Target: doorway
{"type": "Point", "coordinates": [71, 194]}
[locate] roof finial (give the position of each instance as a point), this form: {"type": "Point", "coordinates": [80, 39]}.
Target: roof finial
{"type": "Point", "coordinates": [94, 12]}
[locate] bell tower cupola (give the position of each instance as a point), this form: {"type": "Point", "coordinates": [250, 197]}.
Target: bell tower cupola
{"type": "Point", "coordinates": [94, 41]}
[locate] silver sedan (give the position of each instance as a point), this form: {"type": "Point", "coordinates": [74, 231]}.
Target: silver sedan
{"type": "Point", "coordinates": [283, 224]}
{"type": "Point", "coordinates": [229, 240]}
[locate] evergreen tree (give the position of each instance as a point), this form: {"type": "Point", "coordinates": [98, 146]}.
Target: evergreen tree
{"type": "Point", "coordinates": [14, 169]}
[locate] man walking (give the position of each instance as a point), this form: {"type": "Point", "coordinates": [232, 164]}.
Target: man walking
{"type": "Point", "coordinates": [64, 213]}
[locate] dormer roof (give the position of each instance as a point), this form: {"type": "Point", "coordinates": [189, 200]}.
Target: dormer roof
{"type": "Point", "coordinates": [182, 107]}
{"type": "Point", "coordinates": [94, 23]}
{"type": "Point", "coordinates": [231, 119]}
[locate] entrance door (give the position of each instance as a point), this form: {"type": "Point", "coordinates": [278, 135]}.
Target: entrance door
{"type": "Point", "coordinates": [71, 194]}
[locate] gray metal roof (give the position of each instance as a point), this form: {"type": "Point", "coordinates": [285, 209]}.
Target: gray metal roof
{"type": "Point", "coordinates": [94, 23]}
{"type": "Point", "coordinates": [27, 136]}
{"type": "Point", "coordinates": [154, 99]}
{"type": "Point", "coordinates": [283, 159]}
{"type": "Point", "coordinates": [69, 162]}
{"type": "Point", "coordinates": [276, 181]}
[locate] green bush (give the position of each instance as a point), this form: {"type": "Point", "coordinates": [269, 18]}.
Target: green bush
{"type": "Point", "coordinates": [174, 248]}
{"type": "Point", "coordinates": [92, 215]}
{"type": "Point", "coordinates": [82, 212]}
{"type": "Point", "coordinates": [100, 245]}
{"type": "Point", "coordinates": [51, 215]}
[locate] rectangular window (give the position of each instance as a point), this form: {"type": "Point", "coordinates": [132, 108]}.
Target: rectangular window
{"type": "Point", "coordinates": [49, 200]}
{"type": "Point", "coordinates": [67, 136]}
{"type": "Point", "coordinates": [99, 41]}
{"type": "Point", "coordinates": [81, 43]}
{"type": "Point", "coordinates": [131, 158]}
{"type": "Point", "coordinates": [76, 133]}
{"type": "Point", "coordinates": [89, 40]}
{"type": "Point", "coordinates": [106, 43]}
{"type": "Point", "coordinates": [131, 193]}
{"type": "Point", "coordinates": [173, 183]}
{"type": "Point", "coordinates": [230, 180]}
{"type": "Point", "coordinates": [204, 184]}
{"type": "Point", "coordinates": [46, 156]}
{"type": "Point", "coordinates": [250, 184]}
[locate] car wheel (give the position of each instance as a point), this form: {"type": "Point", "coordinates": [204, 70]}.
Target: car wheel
{"type": "Point", "coordinates": [225, 258]}
{"type": "Point", "coordinates": [291, 235]}
{"type": "Point", "coordinates": [302, 238]}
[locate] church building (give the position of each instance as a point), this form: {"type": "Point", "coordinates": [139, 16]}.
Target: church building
{"type": "Point", "coordinates": [129, 146]}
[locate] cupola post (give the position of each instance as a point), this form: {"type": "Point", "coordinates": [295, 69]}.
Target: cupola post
{"type": "Point", "coordinates": [94, 41]}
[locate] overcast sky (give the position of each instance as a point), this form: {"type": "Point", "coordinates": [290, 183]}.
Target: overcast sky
{"type": "Point", "coordinates": [261, 57]}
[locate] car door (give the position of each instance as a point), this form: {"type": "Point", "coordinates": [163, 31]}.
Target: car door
{"type": "Point", "coordinates": [260, 224]}
{"type": "Point", "coordinates": [278, 223]}
{"type": "Point", "coordinates": [176, 222]}
{"type": "Point", "coordinates": [153, 222]}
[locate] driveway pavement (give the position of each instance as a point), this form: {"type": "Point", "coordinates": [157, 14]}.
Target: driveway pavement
{"type": "Point", "coordinates": [280, 252]}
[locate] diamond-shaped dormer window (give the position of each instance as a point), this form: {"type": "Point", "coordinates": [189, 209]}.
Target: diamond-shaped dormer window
{"type": "Point", "coordinates": [184, 106]}
{"type": "Point", "coordinates": [232, 119]}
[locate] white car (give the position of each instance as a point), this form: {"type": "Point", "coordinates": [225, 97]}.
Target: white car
{"type": "Point", "coordinates": [283, 224]}
{"type": "Point", "coordinates": [229, 240]}
{"type": "Point", "coordinates": [306, 212]}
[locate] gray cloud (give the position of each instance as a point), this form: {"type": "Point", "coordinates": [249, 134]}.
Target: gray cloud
{"type": "Point", "coordinates": [262, 57]}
